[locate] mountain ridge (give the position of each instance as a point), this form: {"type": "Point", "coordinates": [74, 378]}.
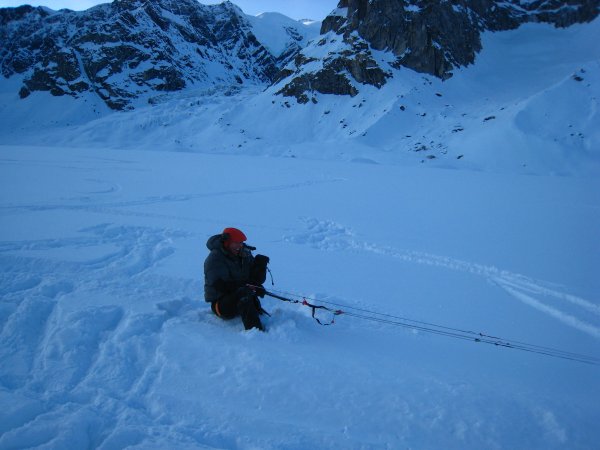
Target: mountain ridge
{"type": "Point", "coordinates": [131, 49]}
{"type": "Point", "coordinates": [434, 38]}
{"type": "Point", "coordinates": [528, 104]}
{"type": "Point", "coordinates": [128, 51]}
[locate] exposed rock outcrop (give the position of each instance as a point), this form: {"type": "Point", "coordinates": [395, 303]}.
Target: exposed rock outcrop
{"type": "Point", "coordinates": [432, 37]}
{"type": "Point", "coordinates": [133, 48]}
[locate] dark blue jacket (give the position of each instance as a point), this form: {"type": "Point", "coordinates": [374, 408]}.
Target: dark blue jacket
{"type": "Point", "coordinates": [225, 272]}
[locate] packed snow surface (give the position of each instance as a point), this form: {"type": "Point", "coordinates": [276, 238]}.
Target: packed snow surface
{"type": "Point", "coordinates": [106, 341]}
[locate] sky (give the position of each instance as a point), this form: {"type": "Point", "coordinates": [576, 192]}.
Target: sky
{"type": "Point", "coordinates": [305, 9]}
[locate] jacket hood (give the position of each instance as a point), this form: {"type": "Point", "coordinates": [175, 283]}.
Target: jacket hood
{"type": "Point", "coordinates": [215, 242]}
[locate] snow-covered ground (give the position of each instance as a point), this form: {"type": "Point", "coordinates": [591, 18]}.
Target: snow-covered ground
{"type": "Point", "coordinates": [106, 342]}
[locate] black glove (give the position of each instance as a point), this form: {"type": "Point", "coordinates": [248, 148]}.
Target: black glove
{"type": "Point", "coordinates": [261, 260]}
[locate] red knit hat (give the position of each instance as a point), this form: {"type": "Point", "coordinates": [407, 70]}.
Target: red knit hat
{"type": "Point", "coordinates": [233, 235]}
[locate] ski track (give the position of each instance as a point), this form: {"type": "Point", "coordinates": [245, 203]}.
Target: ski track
{"type": "Point", "coordinates": [161, 199]}
{"type": "Point", "coordinates": [88, 365]}
{"type": "Point", "coordinates": [331, 236]}
{"type": "Point", "coordinates": [95, 368]}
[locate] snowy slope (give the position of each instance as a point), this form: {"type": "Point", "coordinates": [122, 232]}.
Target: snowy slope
{"type": "Point", "coordinates": [128, 53]}
{"type": "Point", "coordinates": [531, 108]}
{"type": "Point", "coordinates": [274, 30]}
{"type": "Point", "coordinates": [105, 341]}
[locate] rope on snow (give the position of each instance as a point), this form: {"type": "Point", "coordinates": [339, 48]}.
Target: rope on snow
{"type": "Point", "coordinates": [429, 327]}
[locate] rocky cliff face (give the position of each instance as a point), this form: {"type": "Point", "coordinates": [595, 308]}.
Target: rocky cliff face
{"type": "Point", "coordinates": [432, 37]}
{"type": "Point", "coordinates": [133, 48]}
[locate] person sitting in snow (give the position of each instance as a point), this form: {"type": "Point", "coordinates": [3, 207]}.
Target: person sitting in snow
{"type": "Point", "coordinates": [233, 278]}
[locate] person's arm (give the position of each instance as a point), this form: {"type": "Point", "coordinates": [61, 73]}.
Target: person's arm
{"type": "Point", "coordinates": [216, 279]}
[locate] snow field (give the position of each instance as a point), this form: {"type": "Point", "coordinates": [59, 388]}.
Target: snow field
{"type": "Point", "coordinates": [107, 342]}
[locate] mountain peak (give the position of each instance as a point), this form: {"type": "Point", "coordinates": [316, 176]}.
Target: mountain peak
{"type": "Point", "coordinates": [130, 50]}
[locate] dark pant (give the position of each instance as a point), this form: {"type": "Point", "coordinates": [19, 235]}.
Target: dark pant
{"type": "Point", "coordinates": [243, 303]}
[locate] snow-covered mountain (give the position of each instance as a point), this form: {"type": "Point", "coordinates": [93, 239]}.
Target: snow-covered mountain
{"type": "Point", "coordinates": [499, 112]}
{"type": "Point", "coordinates": [282, 36]}
{"type": "Point", "coordinates": [428, 37]}
{"type": "Point", "coordinates": [129, 50]}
